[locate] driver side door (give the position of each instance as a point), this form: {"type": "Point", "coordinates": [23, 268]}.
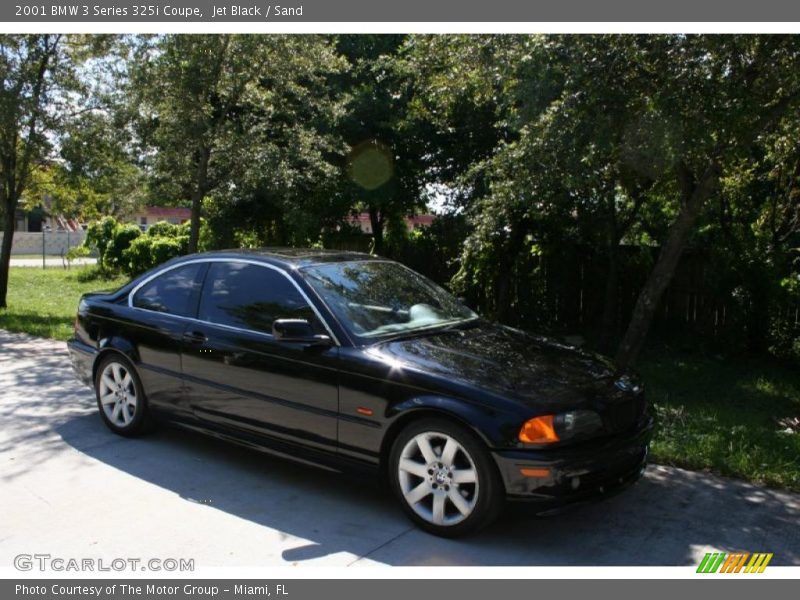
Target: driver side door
{"type": "Point", "coordinates": [238, 376]}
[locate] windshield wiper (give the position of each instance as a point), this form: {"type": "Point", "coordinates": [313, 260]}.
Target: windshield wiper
{"type": "Point", "coordinates": [428, 331]}
{"type": "Point", "coordinates": [462, 325]}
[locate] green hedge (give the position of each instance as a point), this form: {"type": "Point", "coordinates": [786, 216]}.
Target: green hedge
{"type": "Point", "coordinates": [124, 247]}
{"type": "Point", "coordinates": [148, 251]}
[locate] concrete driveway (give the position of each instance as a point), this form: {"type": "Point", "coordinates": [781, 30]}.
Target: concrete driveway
{"type": "Point", "coordinates": [70, 488]}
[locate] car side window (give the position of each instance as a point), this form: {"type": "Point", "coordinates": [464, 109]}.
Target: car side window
{"type": "Point", "coordinates": [250, 297]}
{"type": "Point", "coordinates": [173, 292]}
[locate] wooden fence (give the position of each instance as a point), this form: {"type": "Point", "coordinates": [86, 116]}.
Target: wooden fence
{"type": "Point", "coordinates": [566, 293]}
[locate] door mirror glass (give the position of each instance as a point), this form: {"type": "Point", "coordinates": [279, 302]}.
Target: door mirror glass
{"type": "Point", "coordinates": [297, 330]}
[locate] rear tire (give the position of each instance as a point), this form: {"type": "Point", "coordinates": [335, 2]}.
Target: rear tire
{"type": "Point", "coordinates": [444, 478]}
{"type": "Point", "coordinates": [120, 396]}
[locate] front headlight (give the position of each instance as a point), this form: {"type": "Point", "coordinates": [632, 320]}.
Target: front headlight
{"type": "Point", "coordinates": [577, 424]}
{"type": "Point", "coordinates": [572, 425]}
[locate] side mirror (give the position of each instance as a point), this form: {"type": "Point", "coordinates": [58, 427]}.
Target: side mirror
{"type": "Point", "coordinates": [298, 331]}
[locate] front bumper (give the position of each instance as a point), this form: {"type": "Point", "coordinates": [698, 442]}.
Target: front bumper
{"type": "Point", "coordinates": [82, 358]}
{"type": "Point", "coordinates": [578, 473]}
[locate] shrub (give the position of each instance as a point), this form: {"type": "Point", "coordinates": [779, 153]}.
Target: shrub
{"type": "Point", "coordinates": [77, 252]}
{"type": "Point", "coordinates": [136, 259]}
{"type": "Point", "coordinates": [163, 248]}
{"type": "Point", "coordinates": [99, 236]}
{"type": "Point", "coordinates": [148, 251]}
{"type": "Point", "coordinates": [95, 273]}
{"type": "Point", "coordinates": [111, 239]}
{"type": "Point", "coordinates": [163, 229]}
{"type": "Point", "coordinates": [121, 240]}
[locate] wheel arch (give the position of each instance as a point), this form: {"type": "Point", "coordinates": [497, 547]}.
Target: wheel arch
{"type": "Point", "coordinates": [410, 411]}
{"type": "Point", "coordinates": [111, 346]}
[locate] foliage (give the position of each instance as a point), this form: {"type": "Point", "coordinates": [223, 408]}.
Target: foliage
{"type": "Point", "coordinates": [38, 97]}
{"type": "Point", "coordinates": [599, 141]}
{"type": "Point", "coordinates": [541, 150]}
{"type": "Point", "coordinates": [123, 247]}
{"type": "Point", "coordinates": [220, 111]}
{"type": "Point", "coordinates": [94, 173]}
{"type": "Point", "coordinates": [167, 229]}
{"type": "Point", "coordinates": [100, 237]}
{"type": "Point", "coordinates": [95, 273]}
{"type": "Point", "coordinates": [149, 251]}
{"type": "Point", "coordinates": [729, 416]}
{"type": "Point", "coordinates": [123, 237]}
{"type": "Point", "coordinates": [433, 250]}
{"type": "Point", "coordinates": [389, 145]}
{"type": "Point", "coordinates": [77, 252]}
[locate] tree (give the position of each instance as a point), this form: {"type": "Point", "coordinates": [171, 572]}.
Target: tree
{"type": "Point", "coordinates": [552, 155]}
{"type": "Point", "coordinates": [389, 148]}
{"type": "Point", "coordinates": [726, 92]}
{"type": "Point", "coordinates": [599, 131]}
{"type": "Point", "coordinates": [93, 172]}
{"type": "Point", "coordinates": [33, 68]}
{"type": "Point", "coordinates": [203, 101]}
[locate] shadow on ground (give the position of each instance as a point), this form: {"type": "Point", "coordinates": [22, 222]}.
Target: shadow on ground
{"type": "Point", "coordinates": [669, 518]}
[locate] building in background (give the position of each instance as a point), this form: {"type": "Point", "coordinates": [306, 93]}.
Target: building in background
{"type": "Point", "coordinates": [40, 219]}
{"type": "Point", "coordinates": [153, 214]}
{"type": "Point", "coordinates": [412, 222]}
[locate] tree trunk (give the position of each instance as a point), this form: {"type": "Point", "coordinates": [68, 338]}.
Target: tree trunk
{"type": "Point", "coordinates": [5, 251]}
{"type": "Point", "coordinates": [503, 300]}
{"type": "Point", "coordinates": [758, 311]}
{"type": "Point", "coordinates": [608, 322]}
{"type": "Point", "coordinates": [15, 167]}
{"type": "Point", "coordinates": [661, 275]}
{"type": "Point", "coordinates": [194, 225]}
{"type": "Point", "coordinates": [198, 193]}
{"type": "Point", "coordinates": [376, 222]}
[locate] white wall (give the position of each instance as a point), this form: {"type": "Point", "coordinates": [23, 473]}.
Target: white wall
{"type": "Point", "coordinates": [56, 243]}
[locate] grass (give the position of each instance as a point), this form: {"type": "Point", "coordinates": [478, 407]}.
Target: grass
{"type": "Point", "coordinates": [43, 302]}
{"type": "Point", "coordinates": [733, 416]}
{"type": "Point", "coordinates": [728, 416]}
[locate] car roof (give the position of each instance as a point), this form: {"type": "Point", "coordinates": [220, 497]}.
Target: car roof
{"type": "Point", "coordinates": [289, 257]}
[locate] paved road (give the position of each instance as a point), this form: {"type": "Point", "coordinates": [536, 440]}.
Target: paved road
{"type": "Point", "coordinates": [50, 261]}
{"type": "Point", "coordinates": [71, 488]}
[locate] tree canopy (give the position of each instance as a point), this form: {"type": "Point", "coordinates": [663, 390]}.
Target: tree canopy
{"type": "Point", "coordinates": [554, 158]}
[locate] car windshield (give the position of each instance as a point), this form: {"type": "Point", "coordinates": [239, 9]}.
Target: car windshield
{"type": "Point", "coordinates": [376, 299]}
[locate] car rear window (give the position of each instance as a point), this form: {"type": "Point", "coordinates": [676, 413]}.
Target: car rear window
{"type": "Point", "coordinates": [173, 292]}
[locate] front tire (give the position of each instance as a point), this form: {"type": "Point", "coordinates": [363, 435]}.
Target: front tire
{"type": "Point", "coordinates": [120, 396]}
{"type": "Point", "coordinates": [444, 478]}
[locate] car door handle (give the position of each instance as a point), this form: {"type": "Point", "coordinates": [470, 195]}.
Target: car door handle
{"type": "Point", "coordinates": [195, 337]}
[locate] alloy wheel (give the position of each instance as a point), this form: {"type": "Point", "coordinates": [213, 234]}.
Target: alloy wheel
{"type": "Point", "coordinates": [118, 394]}
{"type": "Point", "coordinates": [438, 478]}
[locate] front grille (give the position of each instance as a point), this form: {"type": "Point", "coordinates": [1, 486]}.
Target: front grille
{"type": "Point", "coordinates": [624, 414]}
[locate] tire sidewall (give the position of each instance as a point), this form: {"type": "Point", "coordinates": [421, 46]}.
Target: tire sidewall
{"type": "Point", "coordinates": [490, 497]}
{"type": "Point", "coordinates": [137, 424]}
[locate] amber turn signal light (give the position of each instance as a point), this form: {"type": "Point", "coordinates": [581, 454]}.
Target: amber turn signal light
{"type": "Point", "coordinates": [539, 430]}
{"type": "Point", "coordinates": [540, 472]}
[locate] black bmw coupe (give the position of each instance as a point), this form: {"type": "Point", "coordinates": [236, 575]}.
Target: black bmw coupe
{"type": "Point", "coordinates": [349, 361]}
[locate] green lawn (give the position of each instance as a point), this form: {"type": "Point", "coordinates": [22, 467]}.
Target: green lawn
{"type": "Point", "coordinates": [726, 416]}
{"type": "Point", "coordinates": [734, 416]}
{"type": "Point", "coordinates": [43, 302]}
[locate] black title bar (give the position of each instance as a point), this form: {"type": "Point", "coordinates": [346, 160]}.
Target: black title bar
{"type": "Point", "coordinates": [462, 11]}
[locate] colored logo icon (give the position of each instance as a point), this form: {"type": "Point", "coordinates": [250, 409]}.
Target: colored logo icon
{"type": "Point", "coordinates": [734, 562]}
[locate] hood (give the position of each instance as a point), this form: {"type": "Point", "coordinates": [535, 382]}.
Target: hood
{"type": "Point", "coordinates": [508, 362]}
